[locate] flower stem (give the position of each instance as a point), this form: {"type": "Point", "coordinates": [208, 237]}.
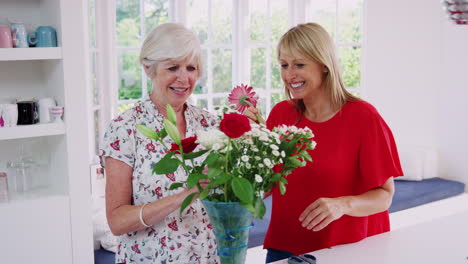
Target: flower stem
{"type": "Point", "coordinates": [259, 120]}
{"type": "Point", "coordinates": [228, 147]}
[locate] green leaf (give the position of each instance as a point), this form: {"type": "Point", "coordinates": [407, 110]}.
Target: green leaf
{"type": "Point", "coordinates": [166, 165]}
{"type": "Point", "coordinates": [306, 156]}
{"type": "Point", "coordinates": [283, 180]}
{"type": "Point", "coordinates": [147, 132]}
{"type": "Point", "coordinates": [172, 131]}
{"type": "Point", "coordinates": [171, 115]}
{"type": "Point", "coordinates": [204, 193]}
{"type": "Point", "coordinates": [162, 133]}
{"type": "Point", "coordinates": [197, 154]}
{"type": "Point", "coordinates": [187, 201]}
{"type": "Point", "coordinates": [221, 179]}
{"type": "Point", "coordinates": [294, 162]}
{"type": "Point", "coordinates": [249, 207]}
{"type": "Point", "coordinates": [282, 188]}
{"type": "Point", "coordinates": [260, 208]}
{"type": "Point", "coordinates": [211, 159]}
{"type": "Point", "coordinates": [214, 172]}
{"type": "Point", "coordinates": [176, 185]}
{"type": "Point", "coordinates": [193, 179]}
{"type": "Point", "coordinates": [242, 189]}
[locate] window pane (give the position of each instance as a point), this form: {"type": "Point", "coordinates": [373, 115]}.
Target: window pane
{"type": "Point", "coordinates": [201, 86]}
{"type": "Point", "coordinates": [203, 103]}
{"type": "Point", "coordinates": [221, 21]}
{"type": "Point", "coordinates": [261, 106]}
{"type": "Point", "coordinates": [156, 12]}
{"type": "Point", "coordinates": [257, 68]}
{"type": "Point", "coordinates": [222, 70]}
{"type": "Point", "coordinates": [125, 107]}
{"type": "Point", "coordinates": [276, 98]}
{"type": "Point", "coordinates": [129, 75]}
{"type": "Point", "coordinates": [350, 60]}
{"type": "Point", "coordinates": [197, 19]}
{"type": "Point", "coordinates": [258, 20]}
{"type": "Point", "coordinates": [349, 20]}
{"type": "Point", "coordinates": [324, 13]}
{"type": "Point", "coordinates": [94, 87]}
{"type": "Point", "coordinates": [97, 136]}
{"type": "Point", "coordinates": [128, 23]}
{"type": "Point", "coordinates": [92, 23]}
{"type": "Point", "coordinates": [279, 19]}
{"type": "Point", "coordinates": [220, 101]}
{"type": "Point", "coordinates": [276, 82]}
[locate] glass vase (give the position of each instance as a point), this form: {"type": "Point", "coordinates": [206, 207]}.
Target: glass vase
{"type": "Point", "coordinates": [231, 226]}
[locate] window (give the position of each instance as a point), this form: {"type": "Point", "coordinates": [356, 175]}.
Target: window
{"type": "Point", "coordinates": [238, 39]}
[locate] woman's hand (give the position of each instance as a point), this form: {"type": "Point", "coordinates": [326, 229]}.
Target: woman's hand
{"type": "Point", "coordinates": [252, 113]}
{"type": "Point", "coordinates": [322, 212]}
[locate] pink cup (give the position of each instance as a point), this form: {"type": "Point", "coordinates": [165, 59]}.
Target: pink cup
{"type": "Point", "coordinates": [5, 37]}
{"type": "Point", "coordinates": [56, 113]}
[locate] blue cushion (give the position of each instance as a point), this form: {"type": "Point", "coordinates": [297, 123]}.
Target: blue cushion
{"type": "Point", "coordinates": [413, 193]}
{"type": "Point", "coordinates": [102, 256]}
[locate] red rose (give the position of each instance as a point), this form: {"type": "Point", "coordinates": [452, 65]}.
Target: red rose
{"type": "Point", "coordinates": [278, 168]}
{"type": "Point", "coordinates": [188, 145]}
{"type": "Point", "coordinates": [234, 125]}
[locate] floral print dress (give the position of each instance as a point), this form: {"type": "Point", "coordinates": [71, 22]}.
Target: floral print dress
{"type": "Point", "coordinates": [179, 238]}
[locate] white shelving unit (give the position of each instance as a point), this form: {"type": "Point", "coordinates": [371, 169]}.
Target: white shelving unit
{"type": "Point", "coordinates": [17, 54]}
{"type": "Point", "coordinates": [50, 222]}
{"type": "Point", "coordinates": [30, 131]}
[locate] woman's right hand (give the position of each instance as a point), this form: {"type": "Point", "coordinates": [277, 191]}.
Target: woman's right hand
{"type": "Point", "coordinates": [252, 114]}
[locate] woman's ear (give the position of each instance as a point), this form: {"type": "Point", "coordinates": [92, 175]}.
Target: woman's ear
{"type": "Point", "coordinates": [148, 71]}
{"type": "Point", "coordinates": [325, 69]}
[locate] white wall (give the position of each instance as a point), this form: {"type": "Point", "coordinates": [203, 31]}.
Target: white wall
{"type": "Point", "coordinates": [411, 51]}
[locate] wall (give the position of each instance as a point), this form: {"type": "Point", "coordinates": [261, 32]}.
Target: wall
{"type": "Point", "coordinates": [411, 50]}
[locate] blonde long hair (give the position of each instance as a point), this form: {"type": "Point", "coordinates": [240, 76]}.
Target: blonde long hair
{"type": "Point", "coordinates": [313, 42]}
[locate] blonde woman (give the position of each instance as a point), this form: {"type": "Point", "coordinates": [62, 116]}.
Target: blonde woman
{"type": "Point", "coordinates": [141, 209]}
{"type": "Point", "coordinates": [343, 195]}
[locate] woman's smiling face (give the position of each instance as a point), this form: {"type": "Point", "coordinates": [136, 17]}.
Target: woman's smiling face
{"type": "Point", "coordinates": [174, 81]}
{"type": "Point", "coordinates": [303, 77]}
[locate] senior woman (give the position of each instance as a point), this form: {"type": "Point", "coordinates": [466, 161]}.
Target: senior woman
{"type": "Point", "coordinates": [141, 209]}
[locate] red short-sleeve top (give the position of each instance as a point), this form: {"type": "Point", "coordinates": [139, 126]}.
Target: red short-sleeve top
{"type": "Point", "coordinates": [355, 152]}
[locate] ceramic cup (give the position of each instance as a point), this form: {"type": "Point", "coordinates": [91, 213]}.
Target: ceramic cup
{"type": "Point", "coordinates": [20, 37]}
{"type": "Point", "coordinates": [5, 37]}
{"type": "Point", "coordinates": [9, 114]}
{"type": "Point", "coordinates": [56, 113]}
{"type": "Point", "coordinates": [44, 36]}
{"type": "Point", "coordinates": [44, 105]}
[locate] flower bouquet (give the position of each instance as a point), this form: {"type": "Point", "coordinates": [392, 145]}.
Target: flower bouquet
{"type": "Point", "coordinates": [243, 161]}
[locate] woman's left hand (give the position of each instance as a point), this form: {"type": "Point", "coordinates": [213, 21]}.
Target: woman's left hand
{"type": "Point", "coordinates": [322, 212]}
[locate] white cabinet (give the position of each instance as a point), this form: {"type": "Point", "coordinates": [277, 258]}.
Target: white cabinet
{"type": "Point", "coordinates": [50, 222]}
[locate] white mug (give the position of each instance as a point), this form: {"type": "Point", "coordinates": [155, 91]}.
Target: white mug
{"type": "Point", "coordinates": [44, 105]}
{"type": "Point", "coordinates": [9, 114]}
{"type": "Point", "coordinates": [56, 113]}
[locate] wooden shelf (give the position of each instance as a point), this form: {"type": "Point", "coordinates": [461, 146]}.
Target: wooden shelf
{"type": "Point", "coordinates": [29, 131]}
{"type": "Point", "coordinates": [16, 54]}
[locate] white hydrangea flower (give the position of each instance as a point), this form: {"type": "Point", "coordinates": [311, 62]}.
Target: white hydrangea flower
{"type": "Point", "coordinates": [258, 178]}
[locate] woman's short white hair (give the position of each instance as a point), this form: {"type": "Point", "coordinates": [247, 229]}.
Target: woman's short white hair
{"type": "Point", "coordinates": [170, 41]}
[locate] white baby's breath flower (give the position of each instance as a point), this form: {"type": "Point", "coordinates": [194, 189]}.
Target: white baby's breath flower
{"type": "Point", "coordinates": [314, 144]}
{"type": "Point", "coordinates": [249, 141]}
{"type": "Point", "coordinates": [254, 149]}
{"type": "Point", "coordinates": [274, 147]}
{"type": "Point", "coordinates": [258, 178]}
{"type": "Point", "coordinates": [275, 153]}
{"type": "Point", "coordinates": [283, 154]}
{"type": "Point", "coordinates": [264, 138]}
{"type": "Point", "coordinates": [245, 158]}
{"type": "Point", "coordinates": [267, 162]}
{"type": "Point", "coordinates": [260, 165]}
{"type": "Point", "coordinates": [248, 166]}
{"type": "Point", "coordinates": [257, 158]}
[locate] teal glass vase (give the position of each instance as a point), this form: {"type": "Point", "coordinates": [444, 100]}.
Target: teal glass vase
{"type": "Point", "coordinates": [231, 226]}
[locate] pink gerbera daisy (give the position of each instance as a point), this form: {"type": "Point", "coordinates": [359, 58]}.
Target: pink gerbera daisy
{"type": "Point", "coordinates": [243, 96]}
